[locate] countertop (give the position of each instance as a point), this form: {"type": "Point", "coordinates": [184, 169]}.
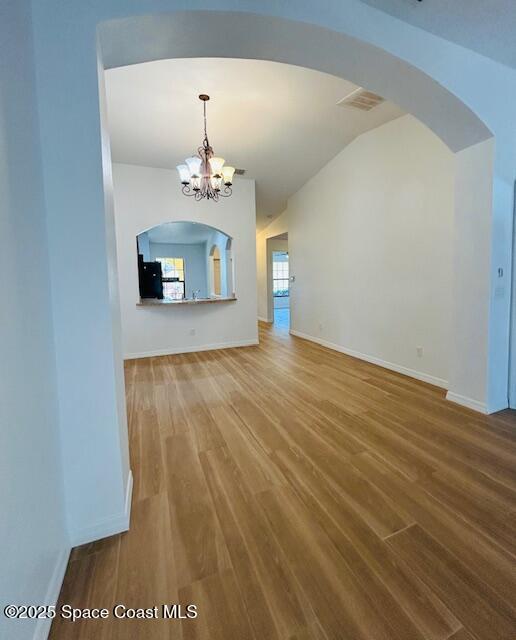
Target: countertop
{"type": "Point", "coordinates": [152, 302]}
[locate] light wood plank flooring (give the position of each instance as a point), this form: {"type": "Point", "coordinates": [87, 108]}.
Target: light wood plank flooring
{"type": "Point", "coordinates": [292, 492]}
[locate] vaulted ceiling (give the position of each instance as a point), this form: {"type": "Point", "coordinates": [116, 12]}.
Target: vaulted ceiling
{"type": "Point", "coordinates": [279, 122]}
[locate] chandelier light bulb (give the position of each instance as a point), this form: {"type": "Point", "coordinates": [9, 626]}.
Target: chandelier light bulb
{"type": "Point", "coordinates": [216, 182]}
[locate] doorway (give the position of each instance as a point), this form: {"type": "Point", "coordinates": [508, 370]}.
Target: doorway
{"type": "Point", "coordinates": [280, 282]}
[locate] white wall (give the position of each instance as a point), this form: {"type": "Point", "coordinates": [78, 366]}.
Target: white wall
{"type": "Point", "coordinates": [195, 263]}
{"type": "Point", "coordinates": [146, 197]}
{"type": "Point", "coordinates": [471, 268]}
{"type": "Point", "coordinates": [370, 245]}
{"type": "Point", "coordinates": [33, 537]}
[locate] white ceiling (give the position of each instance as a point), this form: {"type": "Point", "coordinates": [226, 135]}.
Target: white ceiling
{"type": "Point", "coordinates": [279, 122]}
{"type": "Point", "coordinates": [180, 233]}
{"type": "Point", "coordinates": [485, 26]}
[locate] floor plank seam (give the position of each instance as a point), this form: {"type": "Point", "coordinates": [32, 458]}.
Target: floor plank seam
{"type": "Point", "coordinates": [395, 533]}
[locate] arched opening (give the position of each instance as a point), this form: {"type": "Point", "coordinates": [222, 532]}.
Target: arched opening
{"type": "Point", "coordinates": [70, 66]}
{"type": "Point", "coordinates": [215, 34]}
{"type": "Point", "coordinates": [191, 34]}
{"type": "Point", "coordinates": [178, 261]}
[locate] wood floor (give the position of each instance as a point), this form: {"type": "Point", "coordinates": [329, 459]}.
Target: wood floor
{"type": "Point", "coordinates": [291, 492]}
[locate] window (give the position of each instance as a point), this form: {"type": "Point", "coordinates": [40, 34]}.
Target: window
{"type": "Point", "coordinates": [280, 281]}
{"type": "Point", "coordinates": [173, 271]}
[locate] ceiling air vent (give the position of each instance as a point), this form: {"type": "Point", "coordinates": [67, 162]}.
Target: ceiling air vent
{"type": "Point", "coordinates": [240, 172]}
{"type": "Point", "coordinates": [361, 99]}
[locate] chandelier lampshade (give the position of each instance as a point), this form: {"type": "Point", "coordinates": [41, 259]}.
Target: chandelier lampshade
{"type": "Point", "coordinates": [194, 165]}
{"type": "Point", "coordinates": [227, 175]}
{"type": "Point", "coordinates": [204, 175]}
{"type": "Point", "coordinates": [184, 173]}
{"type": "Point", "coordinates": [216, 165]}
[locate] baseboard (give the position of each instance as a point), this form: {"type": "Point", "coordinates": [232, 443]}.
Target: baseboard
{"type": "Point", "coordinates": [42, 628]}
{"type": "Point", "coordinates": [467, 402]}
{"type": "Point", "coordinates": [128, 499]}
{"type": "Point", "coordinates": [177, 350]}
{"type": "Point", "coordinates": [108, 526]}
{"type": "Point", "coordinates": [264, 320]}
{"type": "Point", "coordinates": [412, 373]}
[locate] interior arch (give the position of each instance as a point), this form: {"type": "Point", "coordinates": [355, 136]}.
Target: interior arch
{"type": "Point", "coordinates": [475, 378]}
{"type": "Point", "coordinates": [239, 35]}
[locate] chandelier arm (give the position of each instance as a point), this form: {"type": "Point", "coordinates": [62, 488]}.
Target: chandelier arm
{"type": "Point", "coordinates": [187, 191]}
{"type": "Point", "coordinates": [226, 192]}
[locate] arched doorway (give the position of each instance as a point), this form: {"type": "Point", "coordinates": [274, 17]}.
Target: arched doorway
{"type": "Point", "coordinates": [198, 34]}
{"type": "Point", "coordinates": [333, 42]}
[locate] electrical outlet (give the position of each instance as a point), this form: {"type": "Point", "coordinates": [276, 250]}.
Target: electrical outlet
{"type": "Point", "coordinates": [419, 352]}
{"type": "Point", "coordinates": [192, 332]}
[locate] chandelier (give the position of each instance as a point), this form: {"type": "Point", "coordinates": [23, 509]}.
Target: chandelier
{"type": "Point", "coordinates": [204, 175]}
